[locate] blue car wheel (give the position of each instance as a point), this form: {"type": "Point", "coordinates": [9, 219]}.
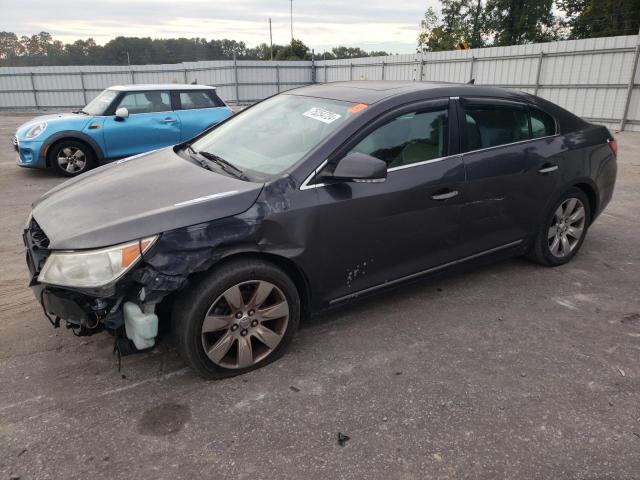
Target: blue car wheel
{"type": "Point", "coordinates": [71, 158]}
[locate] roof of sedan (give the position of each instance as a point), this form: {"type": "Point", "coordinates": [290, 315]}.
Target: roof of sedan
{"type": "Point", "coordinates": [370, 92]}
{"type": "Point", "coordinates": [161, 86]}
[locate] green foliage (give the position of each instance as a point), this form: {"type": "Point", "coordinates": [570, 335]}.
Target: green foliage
{"type": "Point", "coordinates": [41, 49]}
{"type": "Point", "coordinates": [601, 18]}
{"type": "Point", "coordinates": [514, 22]}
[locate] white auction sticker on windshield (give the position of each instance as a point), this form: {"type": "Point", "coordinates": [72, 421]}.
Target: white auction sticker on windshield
{"type": "Point", "coordinates": [321, 114]}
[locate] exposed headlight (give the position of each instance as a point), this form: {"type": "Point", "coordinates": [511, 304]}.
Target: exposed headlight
{"type": "Point", "coordinates": [93, 268]}
{"type": "Point", "coordinates": [36, 130]}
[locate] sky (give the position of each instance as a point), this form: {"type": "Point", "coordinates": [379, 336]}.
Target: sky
{"type": "Point", "coordinates": [321, 24]}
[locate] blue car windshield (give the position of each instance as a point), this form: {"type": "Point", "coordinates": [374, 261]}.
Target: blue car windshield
{"type": "Point", "coordinates": [276, 133]}
{"type": "Point", "coordinates": [98, 105]}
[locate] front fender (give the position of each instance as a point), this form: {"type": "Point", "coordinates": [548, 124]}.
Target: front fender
{"type": "Point", "coordinates": [70, 135]}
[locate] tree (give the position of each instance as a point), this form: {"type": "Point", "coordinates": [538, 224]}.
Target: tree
{"type": "Point", "coordinates": [514, 22]}
{"type": "Point", "coordinates": [601, 18]}
{"type": "Point", "coordinates": [296, 50]}
{"type": "Point", "coordinates": [462, 21]}
{"type": "Point", "coordinates": [9, 45]}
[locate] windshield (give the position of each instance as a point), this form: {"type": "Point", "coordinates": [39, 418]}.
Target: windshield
{"type": "Point", "coordinates": [275, 134]}
{"type": "Point", "coordinates": [98, 105]}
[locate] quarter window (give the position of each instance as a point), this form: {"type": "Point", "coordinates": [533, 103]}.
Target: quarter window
{"type": "Point", "coordinates": [195, 99]}
{"type": "Point", "coordinates": [490, 127]}
{"type": "Point", "coordinates": [542, 125]}
{"type": "Point", "coordinates": [407, 139]}
{"type": "Point", "coordinates": [146, 102]}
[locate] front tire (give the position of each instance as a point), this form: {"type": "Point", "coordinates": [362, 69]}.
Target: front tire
{"type": "Point", "coordinates": [563, 229]}
{"type": "Point", "coordinates": [237, 318]}
{"type": "Point", "coordinates": [71, 158]}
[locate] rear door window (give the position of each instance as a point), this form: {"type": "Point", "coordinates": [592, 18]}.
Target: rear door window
{"type": "Point", "coordinates": [146, 102]}
{"type": "Point", "coordinates": [542, 125]}
{"type": "Point", "coordinates": [491, 127]}
{"type": "Point", "coordinates": [409, 138]}
{"type": "Point", "coordinates": [198, 99]}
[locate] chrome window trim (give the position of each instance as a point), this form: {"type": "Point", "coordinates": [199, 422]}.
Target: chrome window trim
{"type": "Point", "coordinates": [424, 162]}
{"type": "Point", "coordinates": [509, 144]}
{"type": "Point", "coordinates": [305, 185]}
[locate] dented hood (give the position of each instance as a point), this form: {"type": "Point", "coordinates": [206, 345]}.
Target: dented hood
{"type": "Point", "coordinates": [137, 197]}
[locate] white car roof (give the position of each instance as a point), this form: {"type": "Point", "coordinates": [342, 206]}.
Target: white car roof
{"type": "Point", "coordinates": [160, 86]}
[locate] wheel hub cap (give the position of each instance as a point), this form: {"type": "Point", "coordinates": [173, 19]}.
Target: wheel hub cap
{"type": "Point", "coordinates": [72, 159]}
{"type": "Point", "coordinates": [245, 324]}
{"type": "Point", "coordinates": [567, 227]}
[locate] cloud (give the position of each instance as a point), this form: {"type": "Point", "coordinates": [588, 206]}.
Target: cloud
{"type": "Point", "coordinates": [320, 24]}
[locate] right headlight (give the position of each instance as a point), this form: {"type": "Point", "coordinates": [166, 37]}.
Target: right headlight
{"type": "Point", "coordinates": [36, 130]}
{"type": "Point", "coordinates": [93, 268]}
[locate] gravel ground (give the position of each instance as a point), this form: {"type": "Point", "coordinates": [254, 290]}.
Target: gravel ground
{"type": "Point", "coordinates": [508, 371]}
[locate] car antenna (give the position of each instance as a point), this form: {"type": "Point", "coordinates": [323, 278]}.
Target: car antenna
{"type": "Point", "coordinates": [472, 81]}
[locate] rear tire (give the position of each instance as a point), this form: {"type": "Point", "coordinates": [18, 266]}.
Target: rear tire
{"type": "Point", "coordinates": [71, 158]}
{"type": "Point", "coordinates": [236, 318]}
{"type": "Point", "coordinates": [563, 229]}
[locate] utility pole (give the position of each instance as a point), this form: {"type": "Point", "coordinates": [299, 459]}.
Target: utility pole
{"type": "Point", "coordinates": [291, 2]}
{"type": "Point", "coordinates": [271, 39]}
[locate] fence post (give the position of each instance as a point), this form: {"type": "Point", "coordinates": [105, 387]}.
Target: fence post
{"type": "Point", "coordinates": [632, 79]}
{"type": "Point", "coordinates": [382, 76]}
{"type": "Point", "coordinates": [539, 70]}
{"type": "Point", "coordinates": [421, 69]}
{"type": "Point", "coordinates": [313, 67]}
{"type": "Point", "coordinates": [184, 72]}
{"type": "Point", "coordinates": [278, 77]}
{"type": "Point", "coordinates": [84, 90]}
{"type": "Point", "coordinates": [350, 71]}
{"type": "Point", "coordinates": [471, 70]}
{"type": "Point", "coordinates": [235, 78]}
{"type": "Point", "coordinates": [33, 89]}
{"type": "Point", "coordinates": [325, 71]}
{"type": "Point", "coordinates": [133, 78]}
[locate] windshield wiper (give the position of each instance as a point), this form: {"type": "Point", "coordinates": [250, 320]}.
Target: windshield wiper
{"type": "Point", "coordinates": [80, 111]}
{"type": "Point", "coordinates": [198, 158]}
{"type": "Point", "coordinates": [225, 165]}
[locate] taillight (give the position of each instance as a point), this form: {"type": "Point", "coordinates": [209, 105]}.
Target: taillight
{"type": "Point", "coordinates": [613, 145]}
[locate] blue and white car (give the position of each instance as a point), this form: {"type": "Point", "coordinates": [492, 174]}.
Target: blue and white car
{"type": "Point", "coordinates": [120, 122]}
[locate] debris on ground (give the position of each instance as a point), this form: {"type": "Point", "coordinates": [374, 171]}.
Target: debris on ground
{"type": "Point", "coordinates": [294, 389]}
{"type": "Point", "coordinates": [343, 439]}
{"type": "Point", "coordinates": [622, 372]}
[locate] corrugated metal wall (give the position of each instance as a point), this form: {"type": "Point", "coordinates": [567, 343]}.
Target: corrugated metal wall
{"type": "Point", "coordinates": [592, 78]}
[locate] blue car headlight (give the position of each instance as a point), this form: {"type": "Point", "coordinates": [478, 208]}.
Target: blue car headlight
{"type": "Point", "coordinates": [36, 130]}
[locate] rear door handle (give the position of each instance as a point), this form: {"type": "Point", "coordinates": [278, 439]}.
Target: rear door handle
{"type": "Point", "coordinates": [170, 120]}
{"type": "Point", "coordinates": [445, 195]}
{"type": "Point", "coordinates": [548, 168]}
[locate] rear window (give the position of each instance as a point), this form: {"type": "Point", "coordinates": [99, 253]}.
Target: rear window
{"type": "Point", "coordinates": [491, 127]}
{"type": "Point", "coordinates": [193, 99]}
{"type": "Point", "coordinates": [542, 125]}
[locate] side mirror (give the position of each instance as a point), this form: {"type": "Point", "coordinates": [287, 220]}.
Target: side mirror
{"type": "Point", "coordinates": [122, 113]}
{"type": "Point", "coordinates": [360, 167]}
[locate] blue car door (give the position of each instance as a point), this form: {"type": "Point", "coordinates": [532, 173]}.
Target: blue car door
{"type": "Point", "coordinates": [198, 110]}
{"type": "Point", "coordinates": [151, 124]}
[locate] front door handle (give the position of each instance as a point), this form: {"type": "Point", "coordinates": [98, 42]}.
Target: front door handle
{"type": "Point", "coordinates": [445, 195]}
{"type": "Point", "coordinates": [548, 168]}
{"type": "Point", "coordinates": [169, 120]}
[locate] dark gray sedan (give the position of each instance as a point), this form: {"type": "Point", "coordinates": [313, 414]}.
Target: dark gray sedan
{"type": "Point", "coordinates": [308, 200]}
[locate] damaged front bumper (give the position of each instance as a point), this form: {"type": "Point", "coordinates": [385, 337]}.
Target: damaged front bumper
{"type": "Point", "coordinates": [119, 308]}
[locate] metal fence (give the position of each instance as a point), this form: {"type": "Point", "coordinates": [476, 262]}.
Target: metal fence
{"type": "Point", "coordinates": [597, 79]}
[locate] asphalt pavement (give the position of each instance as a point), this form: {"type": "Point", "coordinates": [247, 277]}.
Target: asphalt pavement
{"type": "Point", "coordinates": [508, 371]}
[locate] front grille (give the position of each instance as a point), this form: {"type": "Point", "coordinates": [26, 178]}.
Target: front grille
{"type": "Point", "coordinates": [37, 244]}
{"type": "Point", "coordinates": [14, 142]}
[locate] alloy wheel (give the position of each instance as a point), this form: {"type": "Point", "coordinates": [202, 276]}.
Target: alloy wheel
{"type": "Point", "coordinates": [245, 324]}
{"type": "Point", "coordinates": [72, 159]}
{"type": "Point", "coordinates": [567, 227]}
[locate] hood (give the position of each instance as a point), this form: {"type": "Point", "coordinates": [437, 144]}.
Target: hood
{"type": "Point", "coordinates": [55, 122]}
{"type": "Point", "coordinates": [138, 197]}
